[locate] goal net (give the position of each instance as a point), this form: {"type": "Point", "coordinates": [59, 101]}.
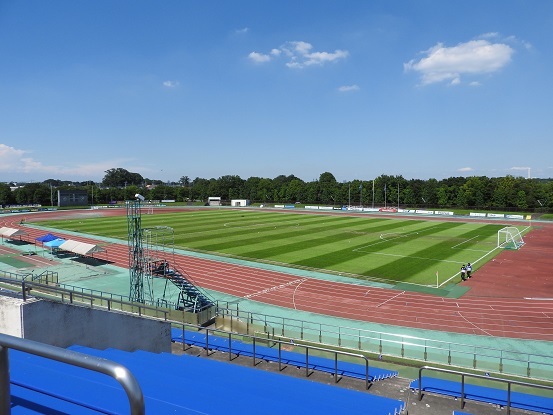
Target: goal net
{"type": "Point", "coordinates": [509, 238]}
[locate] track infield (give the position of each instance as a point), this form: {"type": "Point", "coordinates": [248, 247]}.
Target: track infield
{"type": "Point", "coordinates": [390, 250]}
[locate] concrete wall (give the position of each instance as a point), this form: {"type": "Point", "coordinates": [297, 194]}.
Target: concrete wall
{"type": "Point", "coordinates": [65, 324]}
{"type": "Point", "coordinates": [10, 315]}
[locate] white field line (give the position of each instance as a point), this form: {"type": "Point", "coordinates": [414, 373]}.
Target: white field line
{"type": "Point", "coordinates": [464, 242]}
{"type": "Point", "coordinates": [390, 299]}
{"type": "Point", "coordinates": [276, 287]}
{"type": "Point", "coordinates": [294, 294]}
{"type": "Point", "coordinates": [474, 325]}
{"type": "Point", "coordinates": [383, 239]}
{"type": "Point", "coordinates": [479, 259]}
{"type": "Point", "coordinates": [458, 273]}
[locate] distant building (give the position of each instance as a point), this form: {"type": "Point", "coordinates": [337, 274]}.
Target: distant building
{"type": "Point", "coordinates": [214, 201]}
{"type": "Point", "coordinates": [239, 202]}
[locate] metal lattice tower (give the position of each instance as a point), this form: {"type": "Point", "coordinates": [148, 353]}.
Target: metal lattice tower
{"type": "Point", "coordinates": [152, 263]}
{"type": "Point", "coordinates": [136, 252]}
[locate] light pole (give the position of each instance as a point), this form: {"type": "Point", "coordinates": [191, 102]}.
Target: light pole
{"type": "Point", "coordinates": [373, 195]}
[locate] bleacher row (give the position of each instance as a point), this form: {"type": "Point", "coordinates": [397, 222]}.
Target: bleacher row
{"type": "Point", "coordinates": [453, 389]}
{"type": "Point", "coordinates": [271, 354]}
{"type": "Point", "coordinates": [535, 403]}
{"type": "Point", "coordinates": [185, 384]}
{"type": "Point", "coordinates": [174, 384]}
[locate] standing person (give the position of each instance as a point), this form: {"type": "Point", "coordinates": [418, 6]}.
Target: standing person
{"type": "Point", "coordinates": [469, 270]}
{"type": "Point", "coordinates": [463, 272]}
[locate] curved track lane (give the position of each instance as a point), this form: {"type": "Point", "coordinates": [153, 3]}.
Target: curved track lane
{"type": "Point", "coordinates": [524, 310]}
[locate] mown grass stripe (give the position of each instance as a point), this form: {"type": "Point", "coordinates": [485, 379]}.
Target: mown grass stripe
{"type": "Point", "coordinates": [368, 247]}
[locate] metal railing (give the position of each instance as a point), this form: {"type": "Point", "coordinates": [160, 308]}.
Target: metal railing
{"type": "Point", "coordinates": [255, 339]}
{"type": "Point", "coordinates": [487, 378]}
{"type": "Point", "coordinates": [120, 373]}
{"type": "Point", "coordinates": [53, 292]}
{"type": "Point", "coordinates": [397, 345]}
{"type": "Point", "coordinates": [394, 345]}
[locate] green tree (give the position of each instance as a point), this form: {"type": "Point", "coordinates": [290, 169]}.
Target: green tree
{"type": "Point", "coordinates": [294, 191]}
{"type": "Point", "coordinates": [184, 181]}
{"type": "Point", "coordinates": [6, 195]}
{"type": "Point", "coordinates": [521, 200]}
{"type": "Point", "coordinates": [120, 177]}
{"type": "Point", "coordinates": [327, 187]}
{"type": "Point", "coordinates": [503, 195]}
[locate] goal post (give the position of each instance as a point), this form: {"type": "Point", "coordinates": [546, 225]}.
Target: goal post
{"type": "Point", "coordinates": [509, 237]}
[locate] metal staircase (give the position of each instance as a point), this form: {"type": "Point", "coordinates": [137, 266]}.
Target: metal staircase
{"type": "Point", "coordinates": [190, 297]}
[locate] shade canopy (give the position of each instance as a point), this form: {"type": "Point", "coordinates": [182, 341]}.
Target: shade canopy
{"type": "Point", "coordinates": [81, 248]}
{"type": "Point", "coordinates": [54, 243]}
{"type": "Point", "coordinates": [11, 232]}
{"type": "Point", "coordinates": [47, 238]}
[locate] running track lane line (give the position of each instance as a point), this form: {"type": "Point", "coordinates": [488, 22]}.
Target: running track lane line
{"type": "Point", "coordinates": [120, 251]}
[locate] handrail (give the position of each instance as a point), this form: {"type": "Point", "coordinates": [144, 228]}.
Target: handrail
{"type": "Point", "coordinates": [280, 343]}
{"type": "Point", "coordinates": [120, 373]}
{"type": "Point", "coordinates": [472, 375]}
{"type": "Point", "coordinates": [344, 334]}
{"type": "Point", "coordinates": [26, 286]}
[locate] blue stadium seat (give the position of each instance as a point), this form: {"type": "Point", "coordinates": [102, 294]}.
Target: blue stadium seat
{"type": "Point", "coordinates": [485, 394]}
{"type": "Point", "coordinates": [291, 358]}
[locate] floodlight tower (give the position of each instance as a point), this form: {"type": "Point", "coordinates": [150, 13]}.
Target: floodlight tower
{"type": "Point", "coordinates": [136, 252]}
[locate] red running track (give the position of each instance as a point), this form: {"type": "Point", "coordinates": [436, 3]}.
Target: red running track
{"type": "Point", "coordinates": [505, 299]}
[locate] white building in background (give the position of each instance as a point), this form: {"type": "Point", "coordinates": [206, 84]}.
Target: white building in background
{"type": "Point", "coordinates": [214, 200]}
{"type": "Point", "coordinates": [239, 202]}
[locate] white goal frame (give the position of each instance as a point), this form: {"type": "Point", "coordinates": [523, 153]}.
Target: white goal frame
{"type": "Point", "coordinates": [509, 237]}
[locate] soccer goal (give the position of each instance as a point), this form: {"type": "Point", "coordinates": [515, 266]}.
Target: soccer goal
{"type": "Point", "coordinates": [509, 238]}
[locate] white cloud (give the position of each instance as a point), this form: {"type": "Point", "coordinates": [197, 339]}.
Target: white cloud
{"type": "Point", "coordinates": [171, 84]}
{"type": "Point", "coordinates": [465, 169]}
{"type": "Point", "coordinates": [348, 88]}
{"type": "Point", "coordinates": [14, 160]}
{"type": "Point", "coordinates": [448, 64]}
{"type": "Point", "coordinates": [300, 54]}
{"type": "Point", "coordinates": [15, 164]}
{"type": "Point", "coordinates": [242, 31]}
{"type": "Point", "coordinates": [259, 57]}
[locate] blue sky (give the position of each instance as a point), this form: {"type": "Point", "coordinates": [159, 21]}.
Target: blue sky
{"type": "Point", "coordinates": [422, 89]}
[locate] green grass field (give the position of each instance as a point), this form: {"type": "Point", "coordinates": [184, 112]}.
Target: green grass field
{"type": "Point", "coordinates": [386, 249]}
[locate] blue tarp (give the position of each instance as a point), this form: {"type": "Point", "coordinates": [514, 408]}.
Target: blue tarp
{"type": "Point", "coordinates": [47, 238]}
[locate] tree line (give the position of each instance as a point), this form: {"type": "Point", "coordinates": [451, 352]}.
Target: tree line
{"type": "Point", "coordinates": [477, 192]}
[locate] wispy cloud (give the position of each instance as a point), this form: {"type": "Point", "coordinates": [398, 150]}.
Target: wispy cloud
{"type": "Point", "coordinates": [16, 161]}
{"type": "Point", "coordinates": [299, 54]}
{"type": "Point", "coordinates": [348, 88]}
{"type": "Point", "coordinates": [16, 164]}
{"type": "Point", "coordinates": [171, 84]}
{"type": "Point", "coordinates": [447, 64]}
{"type": "Point", "coordinates": [465, 169]}
{"type": "Point", "coordinates": [259, 57]}
{"type": "Point", "coordinates": [242, 31]}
